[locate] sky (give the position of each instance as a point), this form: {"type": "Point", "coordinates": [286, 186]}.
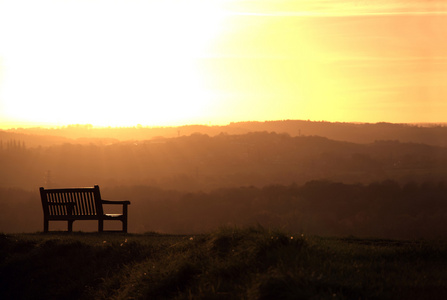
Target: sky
{"type": "Point", "coordinates": [178, 62]}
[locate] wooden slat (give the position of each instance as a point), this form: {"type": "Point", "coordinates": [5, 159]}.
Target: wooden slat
{"type": "Point", "coordinates": [82, 195]}
{"type": "Point", "coordinates": [80, 202]}
{"type": "Point", "coordinates": [64, 208]}
{"type": "Point", "coordinates": [51, 208]}
{"type": "Point", "coordinates": [53, 199]}
{"type": "Point", "coordinates": [61, 207]}
{"type": "Point", "coordinates": [93, 203]}
{"type": "Point", "coordinates": [88, 198]}
{"type": "Point", "coordinates": [50, 199]}
{"type": "Point", "coordinates": [56, 208]}
{"type": "Point", "coordinates": [86, 204]}
{"type": "Point", "coordinates": [73, 199]}
{"type": "Point", "coordinates": [60, 198]}
{"type": "Point", "coordinates": [68, 199]}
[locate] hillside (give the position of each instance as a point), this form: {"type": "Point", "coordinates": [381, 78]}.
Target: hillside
{"type": "Point", "coordinates": [201, 162]}
{"type": "Point", "coordinates": [379, 209]}
{"type": "Point", "coordinates": [229, 263]}
{"type": "Point", "coordinates": [198, 182]}
{"type": "Point", "coordinates": [431, 134]}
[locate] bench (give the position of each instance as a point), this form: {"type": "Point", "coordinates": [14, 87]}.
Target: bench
{"type": "Point", "coordinates": [78, 204]}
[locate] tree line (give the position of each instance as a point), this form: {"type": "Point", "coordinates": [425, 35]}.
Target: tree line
{"type": "Point", "coordinates": [12, 145]}
{"type": "Point", "coordinates": [201, 162]}
{"type": "Point", "coordinates": [431, 134]}
{"type": "Point", "coordinates": [386, 209]}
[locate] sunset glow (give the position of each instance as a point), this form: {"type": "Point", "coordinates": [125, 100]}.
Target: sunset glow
{"type": "Point", "coordinates": [123, 63]}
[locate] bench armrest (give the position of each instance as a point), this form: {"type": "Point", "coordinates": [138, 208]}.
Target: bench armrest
{"type": "Point", "coordinates": [115, 202]}
{"type": "Point", "coordinates": [123, 203]}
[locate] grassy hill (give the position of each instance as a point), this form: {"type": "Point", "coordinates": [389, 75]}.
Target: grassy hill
{"type": "Point", "coordinates": [230, 263]}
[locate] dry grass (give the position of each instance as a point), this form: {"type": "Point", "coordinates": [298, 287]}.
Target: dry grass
{"type": "Point", "coordinates": [230, 263]}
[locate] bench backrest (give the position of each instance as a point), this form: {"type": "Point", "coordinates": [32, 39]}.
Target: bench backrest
{"type": "Point", "coordinates": [86, 201]}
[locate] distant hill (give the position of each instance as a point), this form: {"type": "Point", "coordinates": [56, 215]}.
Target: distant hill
{"type": "Point", "coordinates": [430, 134]}
{"type": "Point", "coordinates": [203, 162]}
{"type": "Point", "coordinates": [31, 139]}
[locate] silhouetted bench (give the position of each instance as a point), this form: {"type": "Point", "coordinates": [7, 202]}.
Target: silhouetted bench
{"type": "Point", "coordinates": [78, 204]}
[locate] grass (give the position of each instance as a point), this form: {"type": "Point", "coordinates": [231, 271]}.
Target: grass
{"type": "Point", "coordinates": [229, 263]}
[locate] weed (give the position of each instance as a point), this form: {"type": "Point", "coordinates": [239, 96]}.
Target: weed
{"type": "Point", "coordinates": [229, 263]}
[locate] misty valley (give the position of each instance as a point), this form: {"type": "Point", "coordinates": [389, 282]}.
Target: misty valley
{"type": "Point", "coordinates": [311, 177]}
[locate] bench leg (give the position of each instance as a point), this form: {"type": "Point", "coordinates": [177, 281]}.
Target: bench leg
{"type": "Point", "coordinates": [45, 225]}
{"type": "Point", "coordinates": [125, 226]}
{"type": "Point", "coordinates": [125, 218]}
{"type": "Point", "coordinates": [100, 225]}
{"type": "Point", "coordinates": [70, 226]}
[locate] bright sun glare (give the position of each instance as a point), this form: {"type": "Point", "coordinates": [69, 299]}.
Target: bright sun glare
{"type": "Point", "coordinates": [177, 62]}
{"type": "Point", "coordinates": [115, 63]}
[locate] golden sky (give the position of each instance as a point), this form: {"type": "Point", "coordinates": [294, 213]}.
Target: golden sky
{"type": "Point", "coordinates": [176, 62]}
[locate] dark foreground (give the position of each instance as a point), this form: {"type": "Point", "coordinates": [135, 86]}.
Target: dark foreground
{"type": "Point", "coordinates": [230, 263]}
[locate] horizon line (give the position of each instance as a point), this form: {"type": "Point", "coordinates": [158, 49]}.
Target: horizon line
{"type": "Point", "coordinates": [140, 126]}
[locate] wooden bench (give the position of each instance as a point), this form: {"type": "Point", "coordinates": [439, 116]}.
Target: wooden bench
{"type": "Point", "coordinates": [78, 204]}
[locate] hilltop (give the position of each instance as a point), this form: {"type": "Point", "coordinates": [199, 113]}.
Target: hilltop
{"type": "Point", "coordinates": [229, 263]}
{"type": "Point", "coordinates": [430, 134]}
